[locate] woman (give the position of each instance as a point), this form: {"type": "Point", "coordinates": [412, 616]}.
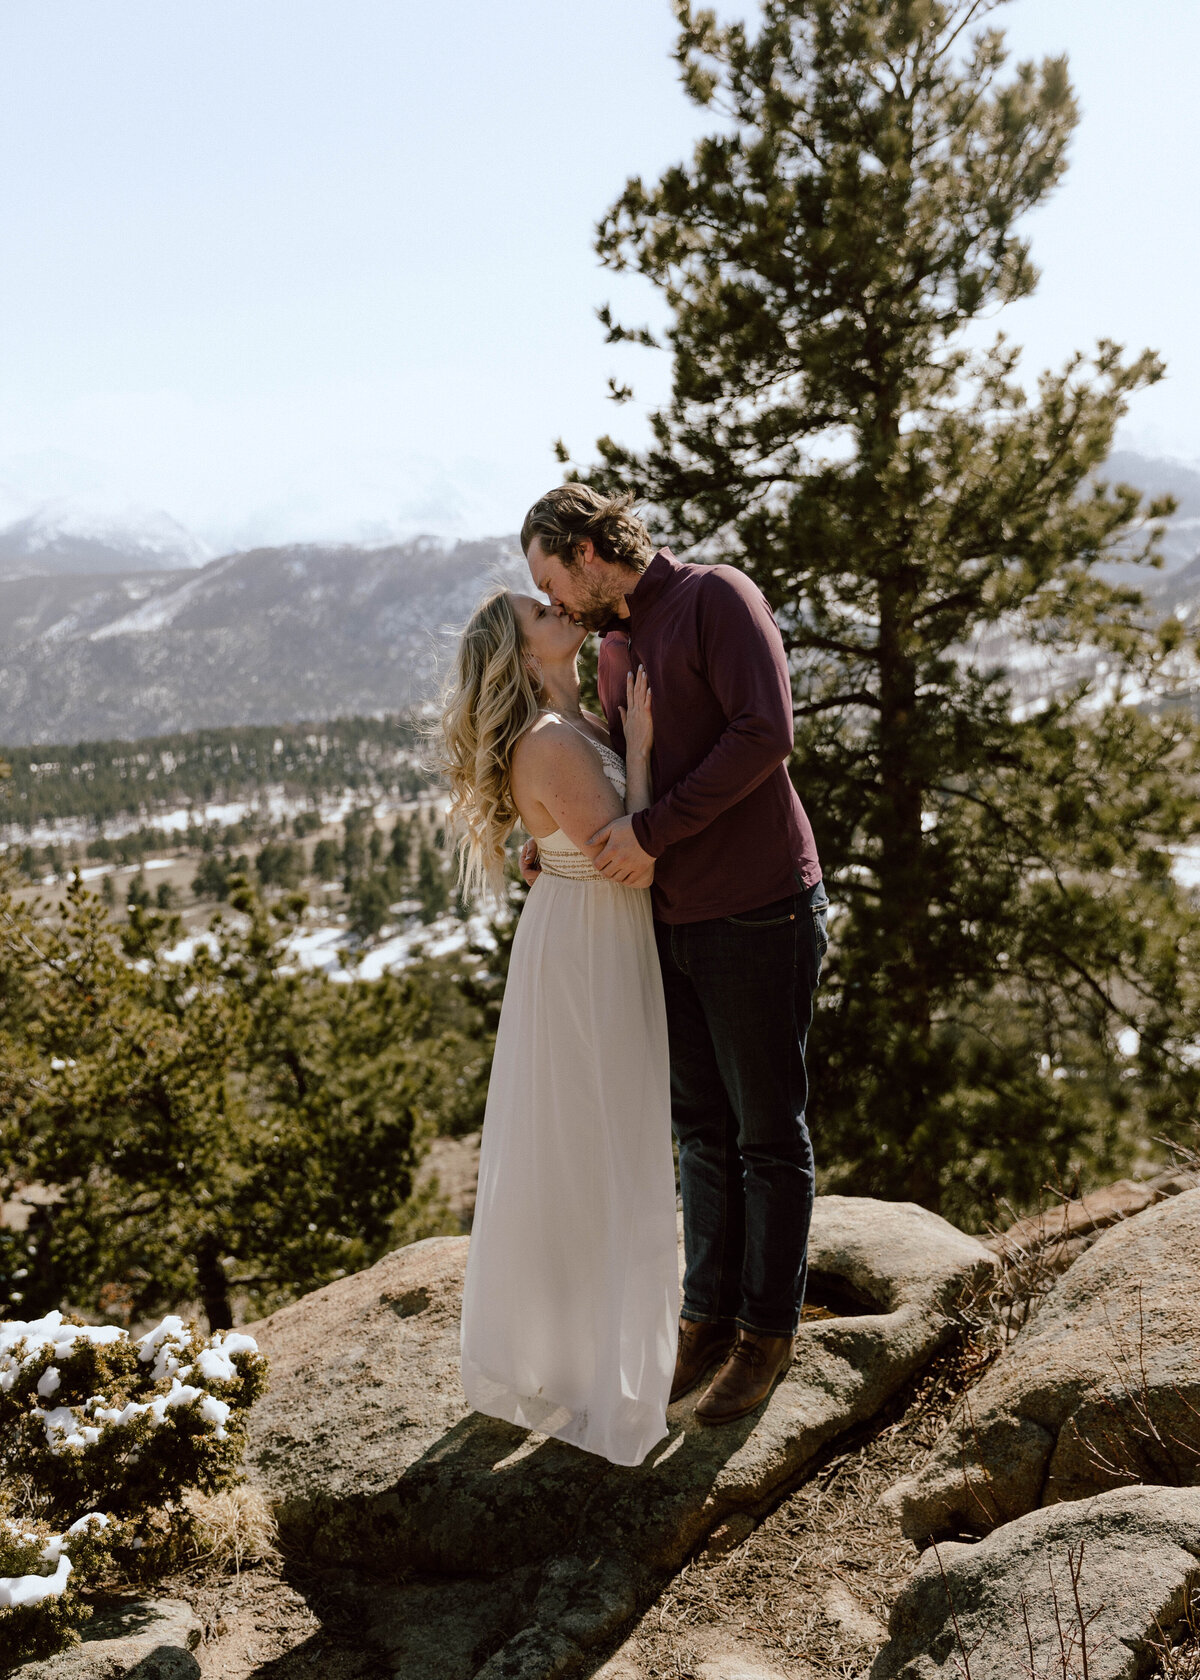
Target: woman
{"type": "Point", "coordinates": [571, 1300]}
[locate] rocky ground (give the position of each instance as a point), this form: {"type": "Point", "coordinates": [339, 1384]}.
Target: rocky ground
{"type": "Point", "coordinates": [804, 1592]}
{"type": "Point", "coordinates": [941, 1386]}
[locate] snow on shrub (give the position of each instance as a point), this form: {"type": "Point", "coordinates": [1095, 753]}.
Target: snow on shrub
{"type": "Point", "coordinates": [105, 1436]}
{"type": "Point", "coordinates": [39, 1570]}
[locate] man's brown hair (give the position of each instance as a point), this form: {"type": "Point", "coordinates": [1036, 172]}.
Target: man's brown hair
{"type": "Point", "coordinates": [564, 516]}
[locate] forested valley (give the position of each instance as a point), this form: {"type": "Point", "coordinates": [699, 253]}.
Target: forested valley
{"type": "Point", "coordinates": [240, 999]}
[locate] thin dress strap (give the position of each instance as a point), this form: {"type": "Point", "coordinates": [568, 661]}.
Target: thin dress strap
{"type": "Point", "coordinates": [586, 733]}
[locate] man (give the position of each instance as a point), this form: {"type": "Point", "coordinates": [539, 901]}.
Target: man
{"type": "Point", "coordinates": [739, 915]}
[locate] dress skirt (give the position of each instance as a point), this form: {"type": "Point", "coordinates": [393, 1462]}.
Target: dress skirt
{"type": "Point", "coordinates": [571, 1302]}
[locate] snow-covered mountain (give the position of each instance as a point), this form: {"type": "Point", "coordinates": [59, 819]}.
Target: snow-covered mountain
{"type": "Point", "coordinates": [317, 630]}
{"type": "Point", "coordinates": [270, 636]}
{"type": "Point", "coordinates": [1155, 476]}
{"type": "Point", "coordinates": [60, 539]}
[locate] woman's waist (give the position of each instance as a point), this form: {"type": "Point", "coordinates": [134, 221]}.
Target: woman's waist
{"type": "Point", "coordinates": [566, 865]}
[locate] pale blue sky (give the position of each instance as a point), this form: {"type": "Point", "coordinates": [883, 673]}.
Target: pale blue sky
{"type": "Point", "coordinates": [323, 268]}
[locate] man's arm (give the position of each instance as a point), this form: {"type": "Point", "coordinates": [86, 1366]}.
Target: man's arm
{"type": "Point", "coordinates": [621, 858]}
{"type": "Point", "coordinates": [613, 666]}
{"type": "Point", "coordinates": [747, 669]}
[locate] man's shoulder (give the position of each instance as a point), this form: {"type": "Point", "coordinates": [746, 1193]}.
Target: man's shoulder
{"type": "Point", "coordinates": [707, 590]}
{"type": "Point", "coordinates": [613, 652]}
{"type": "Point", "coordinates": [710, 575]}
{"type": "Point", "coordinates": [722, 585]}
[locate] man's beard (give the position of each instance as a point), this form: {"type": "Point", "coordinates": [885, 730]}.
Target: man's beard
{"type": "Point", "coordinates": [595, 613]}
{"type": "Point", "coordinates": [596, 618]}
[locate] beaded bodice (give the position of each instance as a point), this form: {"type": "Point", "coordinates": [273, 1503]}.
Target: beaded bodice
{"type": "Point", "coordinates": [560, 856]}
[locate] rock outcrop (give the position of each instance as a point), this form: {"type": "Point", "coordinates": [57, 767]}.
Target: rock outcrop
{"type": "Point", "coordinates": [1112, 1573]}
{"type": "Point", "coordinates": [522, 1554]}
{"type": "Point", "coordinates": [147, 1639]}
{"type": "Point", "coordinates": [1100, 1389]}
{"type": "Point", "coordinates": [1059, 1235]}
{"type": "Point", "coordinates": [713, 1654]}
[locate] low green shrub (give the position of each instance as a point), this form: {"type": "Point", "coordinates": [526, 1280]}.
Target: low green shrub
{"type": "Point", "coordinates": [105, 1436]}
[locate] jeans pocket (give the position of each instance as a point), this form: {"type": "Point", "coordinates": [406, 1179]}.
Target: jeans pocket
{"type": "Point", "coordinates": [770, 916]}
{"type": "Point", "coordinates": [820, 935]}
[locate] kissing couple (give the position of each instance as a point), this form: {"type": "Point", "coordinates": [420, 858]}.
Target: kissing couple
{"type": "Point", "coordinates": [662, 976]}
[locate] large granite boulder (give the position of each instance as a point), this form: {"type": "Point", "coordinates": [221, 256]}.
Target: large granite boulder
{"type": "Point", "coordinates": [1101, 1388]}
{"type": "Point", "coordinates": [1109, 1576]}
{"type": "Point", "coordinates": [520, 1553]}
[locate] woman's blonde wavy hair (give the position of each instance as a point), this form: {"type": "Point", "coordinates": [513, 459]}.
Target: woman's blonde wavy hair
{"type": "Point", "coordinates": [488, 704]}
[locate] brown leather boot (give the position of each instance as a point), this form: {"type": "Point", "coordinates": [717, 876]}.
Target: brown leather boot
{"type": "Point", "coordinates": [701, 1346]}
{"type": "Point", "coordinates": [746, 1378]}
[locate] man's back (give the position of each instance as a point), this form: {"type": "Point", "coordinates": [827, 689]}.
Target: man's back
{"type": "Point", "coordinates": [727, 827]}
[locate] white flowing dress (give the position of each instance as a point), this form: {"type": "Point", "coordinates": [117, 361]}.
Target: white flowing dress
{"type": "Point", "coordinates": [570, 1308]}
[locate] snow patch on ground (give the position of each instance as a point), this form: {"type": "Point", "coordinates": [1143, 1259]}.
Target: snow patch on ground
{"type": "Point", "coordinates": [273, 804]}
{"type": "Point", "coordinates": [331, 949]}
{"type": "Point", "coordinates": [1185, 867]}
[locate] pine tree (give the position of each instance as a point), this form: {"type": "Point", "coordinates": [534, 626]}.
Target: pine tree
{"type": "Point", "coordinates": [433, 888]}
{"type": "Point", "coordinates": [1013, 975]}
{"type": "Point", "coordinates": [215, 1127]}
{"type": "Point", "coordinates": [325, 860]}
{"type": "Point", "coordinates": [354, 847]}
{"type": "Point", "coordinates": [368, 906]}
{"type": "Point", "coordinates": [401, 844]}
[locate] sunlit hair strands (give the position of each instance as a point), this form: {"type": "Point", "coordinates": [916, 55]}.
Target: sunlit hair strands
{"type": "Point", "coordinates": [489, 703]}
{"type": "Point", "coordinates": [564, 516]}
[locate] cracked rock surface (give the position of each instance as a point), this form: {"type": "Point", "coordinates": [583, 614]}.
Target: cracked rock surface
{"type": "Point", "coordinates": [1099, 1390]}
{"type": "Point", "coordinates": [518, 1555]}
{"type": "Point", "coordinates": [1111, 1574]}
{"type": "Point", "coordinates": [146, 1639]}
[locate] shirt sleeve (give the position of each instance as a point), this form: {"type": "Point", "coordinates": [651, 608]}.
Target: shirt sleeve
{"type": "Point", "coordinates": [743, 659]}
{"type": "Point", "coordinates": [613, 664]}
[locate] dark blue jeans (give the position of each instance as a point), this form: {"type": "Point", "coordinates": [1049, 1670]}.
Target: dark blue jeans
{"type": "Point", "coordinates": [739, 994]}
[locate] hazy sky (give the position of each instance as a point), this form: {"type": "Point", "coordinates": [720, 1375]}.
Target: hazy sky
{"type": "Point", "coordinates": [323, 268]}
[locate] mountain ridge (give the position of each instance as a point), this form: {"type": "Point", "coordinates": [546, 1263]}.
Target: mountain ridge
{"type": "Point", "coordinates": [266, 636]}
{"type": "Point", "coordinates": [58, 539]}
{"type": "Point", "coordinates": [281, 634]}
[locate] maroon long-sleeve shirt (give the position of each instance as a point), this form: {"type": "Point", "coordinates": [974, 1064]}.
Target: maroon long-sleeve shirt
{"type": "Point", "coordinates": [726, 826]}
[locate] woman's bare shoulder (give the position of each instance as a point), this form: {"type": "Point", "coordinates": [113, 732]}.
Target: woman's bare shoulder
{"type": "Point", "coordinates": [547, 739]}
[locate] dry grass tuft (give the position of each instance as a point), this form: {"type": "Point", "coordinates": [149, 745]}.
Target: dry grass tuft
{"type": "Point", "coordinates": [1180, 1661]}
{"type": "Point", "coordinates": [232, 1528]}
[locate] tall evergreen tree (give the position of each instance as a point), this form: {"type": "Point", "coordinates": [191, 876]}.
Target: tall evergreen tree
{"type": "Point", "coordinates": [1013, 972]}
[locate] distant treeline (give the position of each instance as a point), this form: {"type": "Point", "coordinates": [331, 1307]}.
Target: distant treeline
{"type": "Point", "coordinates": [106, 780]}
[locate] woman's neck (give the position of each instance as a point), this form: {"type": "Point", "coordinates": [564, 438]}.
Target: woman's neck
{"type": "Point", "coordinates": [560, 692]}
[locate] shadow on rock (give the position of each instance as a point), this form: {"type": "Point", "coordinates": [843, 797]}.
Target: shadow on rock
{"type": "Point", "coordinates": [1100, 1389]}
{"type": "Point", "coordinates": [495, 1552]}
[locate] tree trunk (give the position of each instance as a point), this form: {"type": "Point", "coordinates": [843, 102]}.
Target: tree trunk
{"type": "Point", "coordinates": [904, 903]}
{"type": "Point", "coordinates": [214, 1285]}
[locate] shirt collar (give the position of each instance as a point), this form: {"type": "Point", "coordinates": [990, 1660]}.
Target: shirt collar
{"type": "Point", "coordinates": [650, 586]}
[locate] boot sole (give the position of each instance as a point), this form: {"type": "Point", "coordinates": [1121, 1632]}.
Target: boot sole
{"type": "Point", "coordinates": [732, 1417]}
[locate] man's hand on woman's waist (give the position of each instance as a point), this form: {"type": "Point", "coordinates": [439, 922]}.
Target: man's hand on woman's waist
{"type": "Point", "coordinates": [621, 858]}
